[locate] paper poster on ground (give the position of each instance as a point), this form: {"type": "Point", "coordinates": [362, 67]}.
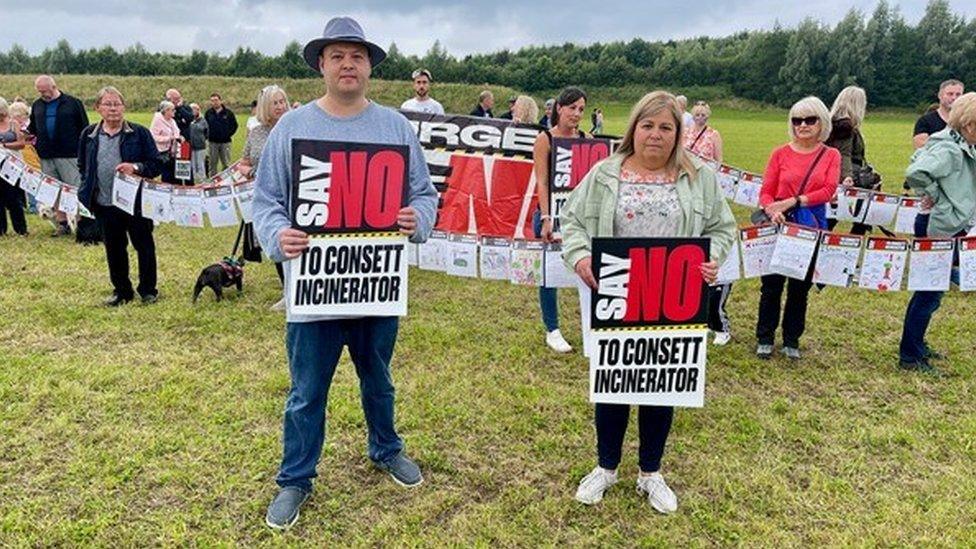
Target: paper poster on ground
{"type": "Point", "coordinates": [432, 254]}
{"type": "Point", "coordinates": [555, 272]}
{"type": "Point", "coordinates": [462, 255]}
{"type": "Point", "coordinates": [496, 258]}
{"type": "Point", "coordinates": [758, 242]}
{"type": "Point", "coordinates": [884, 264]}
{"type": "Point", "coordinates": [793, 251]}
{"type": "Point", "coordinates": [526, 263]}
{"type": "Point", "coordinates": [218, 202]}
{"type": "Point", "coordinates": [157, 202]}
{"type": "Point", "coordinates": [837, 259]}
{"type": "Point", "coordinates": [930, 264]}
{"type": "Point", "coordinates": [647, 334]}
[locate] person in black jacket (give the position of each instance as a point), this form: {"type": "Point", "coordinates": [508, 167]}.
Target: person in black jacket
{"type": "Point", "coordinates": [486, 100]}
{"type": "Point", "coordinates": [222, 126]}
{"type": "Point", "coordinates": [183, 114]}
{"type": "Point", "coordinates": [56, 120]}
{"type": "Point", "coordinates": [110, 146]}
{"type": "Point", "coordinates": [846, 115]}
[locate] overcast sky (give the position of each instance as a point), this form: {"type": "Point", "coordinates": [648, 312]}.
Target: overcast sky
{"type": "Point", "coordinates": [267, 25]}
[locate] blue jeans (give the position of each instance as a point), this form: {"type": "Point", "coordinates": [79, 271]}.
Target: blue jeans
{"type": "Point", "coordinates": [547, 296]}
{"type": "Point", "coordinates": [917, 317]}
{"type": "Point", "coordinates": [313, 353]}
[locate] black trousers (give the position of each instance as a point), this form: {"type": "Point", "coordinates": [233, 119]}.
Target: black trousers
{"type": "Point", "coordinates": [794, 312]}
{"type": "Point", "coordinates": [718, 319]}
{"type": "Point", "coordinates": [654, 424]}
{"type": "Point", "coordinates": [118, 228]}
{"type": "Point", "coordinates": [10, 201]}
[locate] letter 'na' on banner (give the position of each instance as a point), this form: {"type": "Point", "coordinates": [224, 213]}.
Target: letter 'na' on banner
{"type": "Point", "coordinates": [648, 340]}
{"type": "Point", "coordinates": [348, 196]}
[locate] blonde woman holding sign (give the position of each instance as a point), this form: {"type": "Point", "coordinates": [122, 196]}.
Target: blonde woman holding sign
{"type": "Point", "coordinates": [648, 188]}
{"type": "Point", "coordinates": [566, 116]}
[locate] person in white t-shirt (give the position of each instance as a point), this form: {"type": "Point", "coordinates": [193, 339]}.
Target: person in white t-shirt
{"type": "Point", "coordinates": [422, 101]}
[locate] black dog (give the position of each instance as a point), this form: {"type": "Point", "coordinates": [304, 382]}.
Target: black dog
{"type": "Point", "coordinates": [228, 272]}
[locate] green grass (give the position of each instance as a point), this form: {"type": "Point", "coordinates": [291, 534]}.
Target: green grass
{"type": "Point", "coordinates": [160, 425]}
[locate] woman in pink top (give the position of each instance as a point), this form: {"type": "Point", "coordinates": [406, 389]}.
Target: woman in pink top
{"type": "Point", "coordinates": [167, 136]}
{"type": "Point", "coordinates": [799, 181]}
{"type": "Point", "coordinates": [701, 139]}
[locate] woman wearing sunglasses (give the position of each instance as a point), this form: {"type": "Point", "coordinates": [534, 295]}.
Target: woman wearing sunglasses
{"type": "Point", "coordinates": [800, 179]}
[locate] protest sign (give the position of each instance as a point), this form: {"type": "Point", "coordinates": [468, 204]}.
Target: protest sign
{"type": "Point", "coordinates": [69, 201]}
{"type": "Point", "coordinates": [731, 269]}
{"type": "Point", "coordinates": [496, 258]}
{"type": "Point", "coordinates": [555, 273]}
{"type": "Point", "coordinates": [967, 263]}
{"type": "Point", "coordinates": [244, 196]}
{"type": "Point", "coordinates": [432, 255]}
{"type": "Point", "coordinates": [647, 321]}
{"type": "Point", "coordinates": [526, 262]}
{"type": "Point", "coordinates": [905, 217]}
{"type": "Point", "coordinates": [218, 202]}
{"type": "Point", "coordinates": [837, 259]}
{"type": "Point", "coordinates": [793, 251]}
{"type": "Point", "coordinates": [187, 203]}
{"type": "Point", "coordinates": [348, 196]}
{"type": "Point", "coordinates": [48, 191]}
{"type": "Point", "coordinates": [930, 264]}
{"type": "Point", "coordinates": [412, 251]}
{"type": "Point", "coordinates": [758, 242]}
{"type": "Point", "coordinates": [852, 203]}
{"type": "Point", "coordinates": [569, 161]}
{"type": "Point", "coordinates": [727, 178]}
{"type": "Point", "coordinates": [747, 189]}
{"type": "Point", "coordinates": [462, 255]}
{"type": "Point", "coordinates": [884, 264]}
{"type": "Point", "coordinates": [125, 189]}
{"type": "Point", "coordinates": [881, 209]}
{"type": "Point", "coordinates": [157, 202]}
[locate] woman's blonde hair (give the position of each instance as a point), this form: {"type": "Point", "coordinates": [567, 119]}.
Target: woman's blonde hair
{"type": "Point", "coordinates": [850, 103]}
{"type": "Point", "coordinates": [701, 107]}
{"type": "Point", "coordinates": [810, 106]}
{"type": "Point", "coordinates": [4, 108]}
{"type": "Point", "coordinates": [528, 109]}
{"type": "Point", "coordinates": [19, 109]}
{"type": "Point", "coordinates": [649, 105]}
{"type": "Point", "coordinates": [963, 111]}
{"type": "Point", "coordinates": [265, 107]}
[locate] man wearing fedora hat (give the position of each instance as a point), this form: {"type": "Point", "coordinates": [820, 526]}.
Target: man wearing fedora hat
{"type": "Point", "coordinates": [345, 60]}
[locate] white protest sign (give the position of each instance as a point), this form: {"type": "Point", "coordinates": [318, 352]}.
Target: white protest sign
{"type": "Point", "coordinates": [157, 202]}
{"type": "Point", "coordinates": [496, 258]}
{"type": "Point", "coordinates": [361, 276]}
{"type": "Point", "coordinates": [218, 202]}
{"type": "Point", "coordinates": [555, 273]}
{"type": "Point", "coordinates": [837, 259]}
{"type": "Point", "coordinates": [124, 191]}
{"type": "Point", "coordinates": [882, 209]}
{"type": "Point", "coordinates": [69, 201]}
{"type": "Point", "coordinates": [462, 255]}
{"type": "Point", "coordinates": [907, 212]}
{"type": "Point", "coordinates": [884, 264]}
{"type": "Point", "coordinates": [967, 263]}
{"type": "Point", "coordinates": [526, 262]}
{"type": "Point", "coordinates": [48, 191]}
{"type": "Point", "coordinates": [793, 251]}
{"type": "Point", "coordinates": [930, 264]}
{"type": "Point", "coordinates": [758, 243]}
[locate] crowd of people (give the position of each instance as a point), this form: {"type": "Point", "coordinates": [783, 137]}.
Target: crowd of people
{"type": "Point", "coordinates": [658, 183]}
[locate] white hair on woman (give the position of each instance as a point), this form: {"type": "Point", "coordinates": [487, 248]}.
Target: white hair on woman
{"type": "Point", "coordinates": [166, 105]}
{"type": "Point", "coordinates": [810, 106]}
{"type": "Point", "coordinates": [850, 103]}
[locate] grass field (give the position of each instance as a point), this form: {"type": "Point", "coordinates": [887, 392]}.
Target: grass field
{"type": "Point", "coordinates": [160, 425]}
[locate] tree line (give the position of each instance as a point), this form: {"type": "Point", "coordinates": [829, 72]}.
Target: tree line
{"type": "Point", "coordinates": [898, 63]}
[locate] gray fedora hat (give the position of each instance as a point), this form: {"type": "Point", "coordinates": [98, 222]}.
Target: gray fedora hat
{"type": "Point", "coordinates": [341, 29]}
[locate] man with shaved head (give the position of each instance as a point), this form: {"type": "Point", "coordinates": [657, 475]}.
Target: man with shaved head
{"type": "Point", "coordinates": [183, 114]}
{"type": "Point", "coordinates": [57, 120]}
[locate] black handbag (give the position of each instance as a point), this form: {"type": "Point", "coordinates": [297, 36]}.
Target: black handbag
{"type": "Point", "coordinates": [760, 217]}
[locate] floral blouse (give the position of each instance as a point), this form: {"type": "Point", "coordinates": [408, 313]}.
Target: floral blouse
{"type": "Point", "coordinates": [646, 206]}
{"type": "Point", "coordinates": [705, 145]}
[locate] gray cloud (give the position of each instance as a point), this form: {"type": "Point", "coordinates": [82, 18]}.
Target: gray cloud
{"type": "Point", "coordinates": [267, 25]}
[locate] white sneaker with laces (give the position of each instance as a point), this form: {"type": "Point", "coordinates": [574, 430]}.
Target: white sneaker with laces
{"type": "Point", "coordinates": [556, 342]}
{"type": "Point", "coordinates": [722, 338]}
{"type": "Point", "coordinates": [593, 485]}
{"type": "Point", "coordinates": [659, 495]}
{"type": "Point", "coordinates": [279, 305]}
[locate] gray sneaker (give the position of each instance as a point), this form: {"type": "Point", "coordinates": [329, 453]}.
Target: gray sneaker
{"type": "Point", "coordinates": [283, 511]}
{"type": "Point", "coordinates": [764, 351]}
{"type": "Point", "coordinates": [792, 352]}
{"type": "Point", "coordinates": [403, 470]}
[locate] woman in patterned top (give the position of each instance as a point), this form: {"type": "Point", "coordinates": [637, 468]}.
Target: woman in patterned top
{"type": "Point", "coordinates": [700, 139]}
{"type": "Point", "coordinates": [648, 188]}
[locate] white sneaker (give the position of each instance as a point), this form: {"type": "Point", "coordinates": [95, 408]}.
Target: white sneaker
{"type": "Point", "coordinates": [556, 342]}
{"type": "Point", "coordinates": [722, 338]}
{"type": "Point", "coordinates": [593, 485]}
{"type": "Point", "coordinates": [661, 498]}
{"type": "Point", "coordinates": [279, 306]}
